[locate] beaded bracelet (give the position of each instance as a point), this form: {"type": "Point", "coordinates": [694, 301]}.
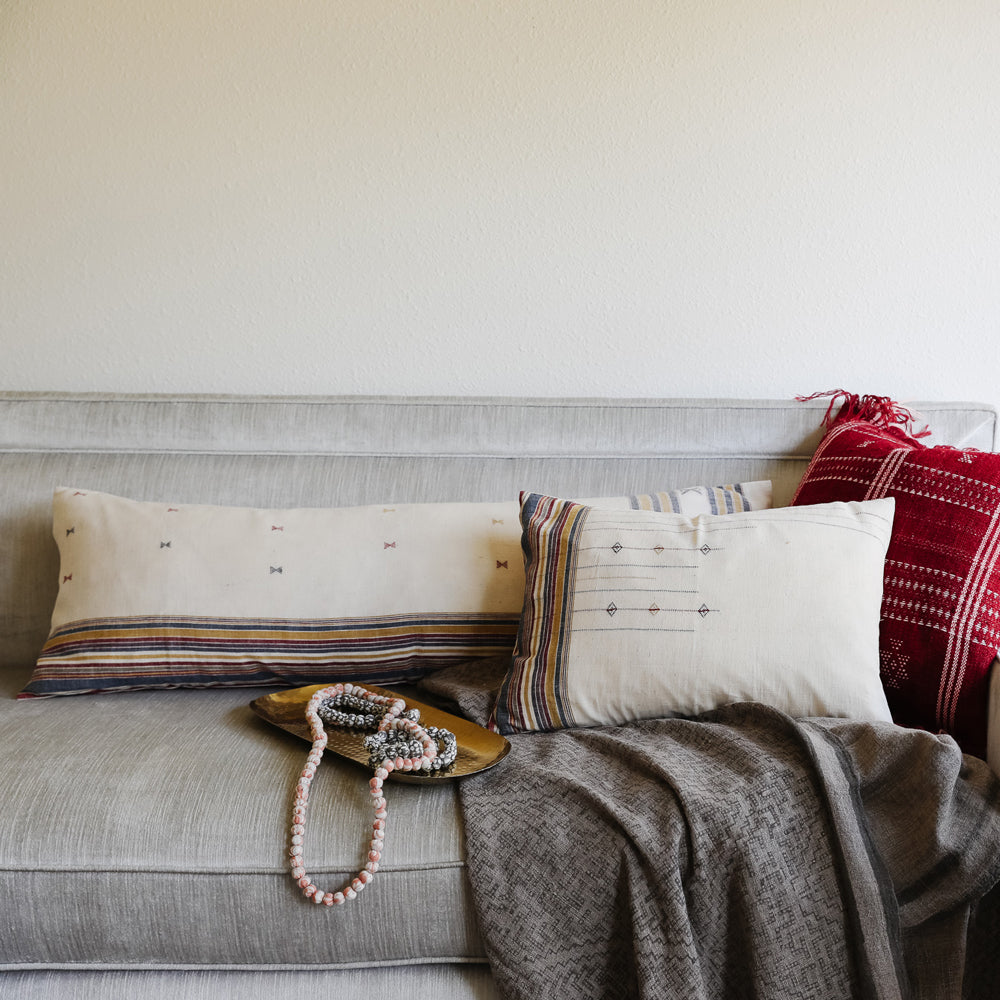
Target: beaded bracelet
{"type": "Point", "coordinates": [351, 711]}
{"type": "Point", "coordinates": [394, 743]}
{"type": "Point", "coordinates": [396, 730]}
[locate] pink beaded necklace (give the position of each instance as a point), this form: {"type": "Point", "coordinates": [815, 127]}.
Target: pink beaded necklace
{"type": "Point", "coordinates": [391, 709]}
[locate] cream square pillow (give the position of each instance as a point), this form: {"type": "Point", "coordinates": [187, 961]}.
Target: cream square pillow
{"type": "Point", "coordinates": [632, 614]}
{"type": "Point", "coordinates": [182, 595]}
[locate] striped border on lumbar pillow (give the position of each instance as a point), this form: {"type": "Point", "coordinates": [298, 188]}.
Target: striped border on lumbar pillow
{"type": "Point", "coordinates": [181, 595]}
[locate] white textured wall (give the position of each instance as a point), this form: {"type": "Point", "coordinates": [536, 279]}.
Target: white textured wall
{"type": "Point", "coordinates": [562, 197]}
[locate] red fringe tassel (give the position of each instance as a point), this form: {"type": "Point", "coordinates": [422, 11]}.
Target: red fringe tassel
{"type": "Point", "coordinates": [878, 410]}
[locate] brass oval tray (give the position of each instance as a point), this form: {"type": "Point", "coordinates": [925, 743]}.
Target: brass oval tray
{"type": "Point", "coordinates": [478, 748]}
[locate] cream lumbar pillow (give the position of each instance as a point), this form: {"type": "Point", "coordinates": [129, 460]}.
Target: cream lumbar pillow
{"type": "Point", "coordinates": [632, 614]}
{"type": "Point", "coordinates": [169, 594]}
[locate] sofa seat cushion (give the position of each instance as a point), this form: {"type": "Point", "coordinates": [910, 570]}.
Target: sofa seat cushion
{"type": "Point", "coordinates": [150, 830]}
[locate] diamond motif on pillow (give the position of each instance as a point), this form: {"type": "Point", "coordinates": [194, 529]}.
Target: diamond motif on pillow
{"type": "Point", "coordinates": [939, 629]}
{"type": "Point", "coordinates": [894, 664]}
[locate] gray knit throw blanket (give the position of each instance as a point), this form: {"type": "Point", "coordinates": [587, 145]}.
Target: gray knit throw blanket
{"type": "Point", "coordinates": [741, 854]}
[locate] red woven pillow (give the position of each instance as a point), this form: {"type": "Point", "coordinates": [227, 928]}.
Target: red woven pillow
{"type": "Point", "coordinates": [940, 626]}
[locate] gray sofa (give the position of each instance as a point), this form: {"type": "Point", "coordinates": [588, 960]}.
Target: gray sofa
{"type": "Point", "coordinates": [143, 834]}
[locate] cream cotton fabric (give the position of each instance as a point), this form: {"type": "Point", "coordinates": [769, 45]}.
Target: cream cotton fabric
{"type": "Point", "coordinates": [162, 594]}
{"type": "Point", "coordinates": [633, 614]}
